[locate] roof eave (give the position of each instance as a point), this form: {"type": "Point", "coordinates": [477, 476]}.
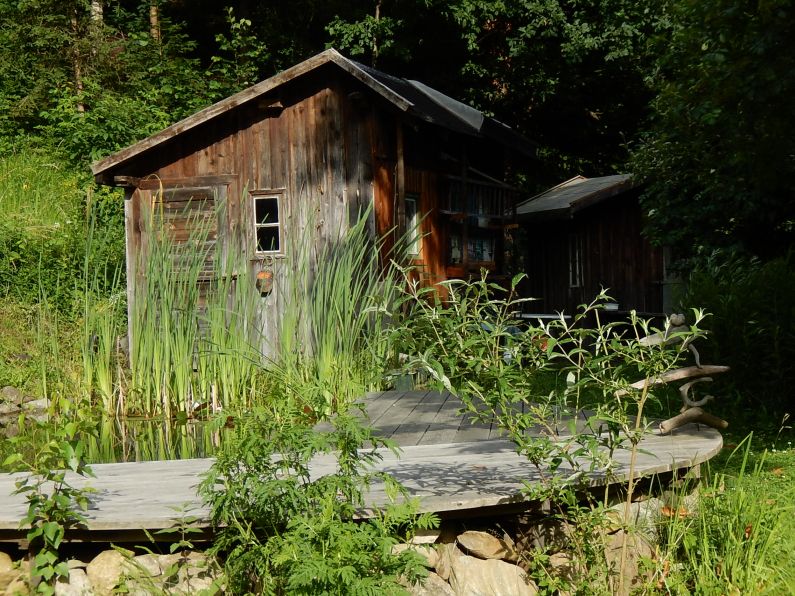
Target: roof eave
{"type": "Point", "coordinates": [100, 169]}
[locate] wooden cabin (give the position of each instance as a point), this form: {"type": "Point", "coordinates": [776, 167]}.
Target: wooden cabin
{"type": "Point", "coordinates": [310, 148]}
{"type": "Point", "coordinates": [584, 235]}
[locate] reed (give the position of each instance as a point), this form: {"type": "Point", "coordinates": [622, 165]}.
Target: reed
{"type": "Point", "coordinates": [192, 348]}
{"type": "Point", "coordinates": [333, 339]}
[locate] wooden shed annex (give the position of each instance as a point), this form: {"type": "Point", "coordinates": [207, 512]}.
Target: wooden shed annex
{"type": "Point", "coordinates": [585, 234]}
{"type": "Point", "coordinates": [311, 147]}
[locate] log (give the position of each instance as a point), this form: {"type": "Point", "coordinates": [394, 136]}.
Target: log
{"type": "Point", "coordinates": [692, 415]}
{"type": "Point", "coordinates": [688, 372]}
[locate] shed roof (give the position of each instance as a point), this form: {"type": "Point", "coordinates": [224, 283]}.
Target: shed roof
{"type": "Point", "coordinates": [412, 97]}
{"type": "Point", "coordinates": [574, 194]}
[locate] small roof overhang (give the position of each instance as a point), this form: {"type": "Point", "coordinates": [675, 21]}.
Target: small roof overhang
{"type": "Point", "coordinates": [573, 195]}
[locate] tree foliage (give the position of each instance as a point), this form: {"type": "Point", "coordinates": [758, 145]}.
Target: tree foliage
{"type": "Point", "coordinates": [580, 77]}
{"type": "Point", "coordinates": [719, 156]}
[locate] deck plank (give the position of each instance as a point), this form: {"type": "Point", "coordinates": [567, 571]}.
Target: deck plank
{"type": "Point", "coordinates": [446, 463]}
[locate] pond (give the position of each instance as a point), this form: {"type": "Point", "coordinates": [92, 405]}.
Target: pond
{"type": "Point", "coordinates": [149, 439]}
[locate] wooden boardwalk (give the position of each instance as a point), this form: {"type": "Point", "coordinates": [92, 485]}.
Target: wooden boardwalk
{"type": "Point", "coordinates": [446, 462]}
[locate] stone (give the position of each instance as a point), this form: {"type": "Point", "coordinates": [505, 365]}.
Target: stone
{"type": "Point", "coordinates": [7, 578]}
{"type": "Point", "coordinates": [8, 409]}
{"type": "Point", "coordinates": [444, 563]}
{"type": "Point", "coordinates": [105, 571]}
{"type": "Point", "coordinates": [6, 563]}
{"type": "Point", "coordinates": [193, 584]}
{"type": "Point", "coordinates": [78, 584]}
{"type": "Point", "coordinates": [485, 546]}
{"type": "Point", "coordinates": [471, 576]}
{"type": "Point", "coordinates": [644, 516]}
{"type": "Point", "coordinates": [18, 586]}
{"type": "Point", "coordinates": [36, 405]}
{"type": "Point", "coordinates": [147, 565]}
{"type": "Point", "coordinates": [12, 395]}
{"type": "Point", "coordinates": [548, 534]}
{"type": "Point", "coordinates": [426, 551]}
{"type": "Point", "coordinates": [425, 537]}
{"type": "Point", "coordinates": [448, 532]}
{"type": "Point", "coordinates": [638, 549]}
{"type": "Point", "coordinates": [75, 564]}
{"type": "Point", "coordinates": [433, 586]}
{"type": "Point", "coordinates": [562, 565]}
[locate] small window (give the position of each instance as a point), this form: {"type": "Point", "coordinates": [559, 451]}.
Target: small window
{"type": "Point", "coordinates": [575, 261]}
{"type": "Point", "coordinates": [267, 223]}
{"type": "Point", "coordinates": [413, 224]}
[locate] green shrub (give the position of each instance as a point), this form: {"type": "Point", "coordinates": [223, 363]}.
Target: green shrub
{"type": "Point", "coordinates": [52, 230]}
{"type": "Point", "coordinates": [752, 327]}
{"type": "Point", "coordinates": [280, 531]}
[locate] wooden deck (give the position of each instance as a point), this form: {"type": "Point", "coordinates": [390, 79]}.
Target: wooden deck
{"type": "Point", "coordinates": [447, 462]}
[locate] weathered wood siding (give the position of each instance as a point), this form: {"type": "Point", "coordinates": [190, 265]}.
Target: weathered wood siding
{"type": "Point", "coordinates": [615, 255]}
{"type": "Point", "coordinates": [312, 142]}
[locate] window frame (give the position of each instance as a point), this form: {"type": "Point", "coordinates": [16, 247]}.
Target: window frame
{"type": "Point", "coordinates": [575, 260]}
{"type": "Point", "coordinates": [414, 243]}
{"type": "Point", "coordinates": [277, 194]}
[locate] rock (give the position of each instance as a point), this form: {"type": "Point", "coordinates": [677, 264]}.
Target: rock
{"type": "Point", "coordinates": [470, 576]}
{"type": "Point", "coordinates": [8, 409]}
{"type": "Point", "coordinates": [193, 584]}
{"type": "Point", "coordinates": [193, 559]}
{"type": "Point", "coordinates": [486, 546]}
{"type": "Point", "coordinates": [550, 534]}
{"type": "Point", "coordinates": [78, 585]}
{"type": "Point", "coordinates": [425, 537]}
{"type": "Point", "coordinates": [562, 565]}
{"type": "Point", "coordinates": [444, 564]}
{"type": "Point", "coordinates": [448, 532]}
{"type": "Point", "coordinates": [12, 395]}
{"type": "Point", "coordinates": [638, 548]}
{"type": "Point", "coordinates": [643, 516]}
{"type": "Point", "coordinates": [75, 564]}
{"type": "Point", "coordinates": [433, 586]}
{"type": "Point", "coordinates": [18, 586]}
{"type": "Point", "coordinates": [194, 576]}
{"type": "Point", "coordinates": [146, 565]}
{"type": "Point", "coordinates": [36, 405]}
{"type": "Point", "coordinates": [7, 578]}
{"type": "Point", "coordinates": [426, 551]}
{"type": "Point", "coordinates": [105, 570]}
{"type": "Point", "coordinates": [6, 563]}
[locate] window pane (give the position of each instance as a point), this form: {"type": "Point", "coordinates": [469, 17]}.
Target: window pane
{"type": "Point", "coordinates": [268, 238]}
{"type": "Point", "coordinates": [267, 210]}
{"type": "Point", "coordinates": [412, 224]}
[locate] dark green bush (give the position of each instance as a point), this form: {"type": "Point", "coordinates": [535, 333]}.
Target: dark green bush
{"type": "Point", "coordinates": [752, 327]}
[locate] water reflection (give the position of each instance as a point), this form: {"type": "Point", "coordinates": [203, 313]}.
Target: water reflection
{"type": "Point", "coordinates": [148, 439]}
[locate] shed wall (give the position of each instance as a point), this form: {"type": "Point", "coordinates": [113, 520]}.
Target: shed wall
{"type": "Point", "coordinates": [614, 256]}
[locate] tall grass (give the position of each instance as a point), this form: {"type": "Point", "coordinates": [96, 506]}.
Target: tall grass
{"type": "Point", "coordinates": [37, 190]}
{"type": "Point", "coordinates": [728, 544]}
{"type": "Point", "coordinates": [192, 340]}
{"type": "Point", "coordinates": [334, 342]}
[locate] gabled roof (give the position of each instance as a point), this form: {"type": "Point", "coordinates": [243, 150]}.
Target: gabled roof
{"type": "Point", "coordinates": [574, 194]}
{"type": "Point", "coordinates": [411, 97]}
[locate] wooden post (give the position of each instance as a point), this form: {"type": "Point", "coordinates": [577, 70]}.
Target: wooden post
{"type": "Point", "coordinates": [130, 249]}
{"type": "Point", "coordinates": [465, 211]}
{"type": "Point", "coordinates": [400, 182]}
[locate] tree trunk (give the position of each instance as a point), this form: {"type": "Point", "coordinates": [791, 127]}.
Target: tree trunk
{"type": "Point", "coordinates": [76, 66]}
{"type": "Point", "coordinates": [97, 12]}
{"type": "Point", "coordinates": [154, 19]}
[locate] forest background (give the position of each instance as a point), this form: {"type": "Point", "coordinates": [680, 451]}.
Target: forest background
{"type": "Point", "coordinates": [693, 98]}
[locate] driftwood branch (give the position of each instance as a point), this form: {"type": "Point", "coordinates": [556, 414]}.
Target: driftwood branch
{"type": "Point", "coordinates": [692, 415]}
{"type": "Point", "coordinates": [684, 391]}
{"type": "Point", "coordinates": [687, 372]}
